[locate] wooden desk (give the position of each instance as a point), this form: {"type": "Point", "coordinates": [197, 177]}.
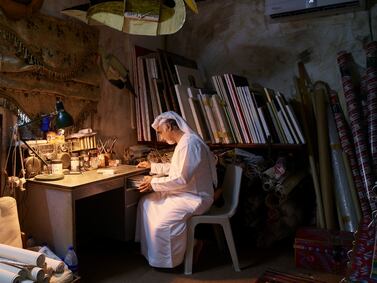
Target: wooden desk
{"type": "Point", "coordinates": [49, 206]}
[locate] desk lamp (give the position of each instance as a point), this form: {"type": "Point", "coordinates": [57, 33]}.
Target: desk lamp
{"type": "Point", "coordinates": [63, 119]}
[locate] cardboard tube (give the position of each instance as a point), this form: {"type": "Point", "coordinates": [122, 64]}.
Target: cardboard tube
{"type": "Point", "coordinates": [324, 159]}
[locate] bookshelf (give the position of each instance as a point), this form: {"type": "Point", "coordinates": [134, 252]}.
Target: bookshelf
{"type": "Point", "coordinates": [288, 147]}
{"type": "Point", "coordinates": [293, 147]}
{"type": "Point", "coordinates": [232, 113]}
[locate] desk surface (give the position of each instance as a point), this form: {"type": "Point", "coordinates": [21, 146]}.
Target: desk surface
{"type": "Point", "coordinates": [87, 177]}
{"type": "Point", "coordinates": [53, 204]}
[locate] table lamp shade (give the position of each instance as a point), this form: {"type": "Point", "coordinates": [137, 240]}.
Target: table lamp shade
{"type": "Point", "coordinates": [63, 118]}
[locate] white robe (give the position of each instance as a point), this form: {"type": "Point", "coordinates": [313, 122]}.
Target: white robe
{"type": "Point", "coordinates": [186, 191]}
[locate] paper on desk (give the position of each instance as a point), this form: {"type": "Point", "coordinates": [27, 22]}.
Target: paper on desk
{"type": "Point", "coordinates": [108, 171]}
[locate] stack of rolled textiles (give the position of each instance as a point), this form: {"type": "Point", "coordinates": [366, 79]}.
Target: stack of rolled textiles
{"type": "Point", "coordinates": [21, 265]}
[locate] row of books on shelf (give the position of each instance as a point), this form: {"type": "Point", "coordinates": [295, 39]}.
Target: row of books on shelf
{"type": "Point", "coordinates": [234, 112]}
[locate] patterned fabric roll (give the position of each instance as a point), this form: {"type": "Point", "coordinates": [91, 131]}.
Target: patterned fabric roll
{"type": "Point", "coordinates": [371, 53]}
{"type": "Point", "coordinates": [364, 95]}
{"type": "Point", "coordinates": [347, 146]}
{"type": "Point", "coordinates": [358, 133]}
{"type": "Point", "coordinates": [362, 253]}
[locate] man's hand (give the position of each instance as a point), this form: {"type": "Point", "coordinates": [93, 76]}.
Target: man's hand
{"type": "Point", "coordinates": [146, 186]}
{"type": "Point", "coordinates": [144, 164]}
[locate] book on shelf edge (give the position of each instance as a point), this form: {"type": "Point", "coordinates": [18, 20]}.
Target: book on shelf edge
{"type": "Point", "coordinates": [231, 92]}
{"type": "Point", "coordinates": [288, 121]}
{"type": "Point", "coordinates": [198, 114]}
{"type": "Point", "coordinates": [274, 116]}
{"type": "Point", "coordinates": [208, 108]}
{"type": "Point", "coordinates": [189, 76]}
{"type": "Point", "coordinates": [184, 104]}
{"type": "Point", "coordinates": [221, 90]}
{"type": "Point", "coordinates": [220, 116]}
{"type": "Point", "coordinates": [293, 119]}
{"type": "Point", "coordinates": [247, 113]}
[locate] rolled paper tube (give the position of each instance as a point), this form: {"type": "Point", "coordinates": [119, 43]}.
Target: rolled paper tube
{"type": "Point", "coordinates": [306, 112]}
{"type": "Point", "coordinates": [56, 265]}
{"type": "Point", "coordinates": [291, 182]}
{"type": "Point", "coordinates": [11, 268]}
{"type": "Point", "coordinates": [351, 184]}
{"type": "Point", "coordinates": [346, 210]}
{"type": "Point", "coordinates": [269, 173]}
{"type": "Point", "coordinates": [37, 274]}
{"type": "Point", "coordinates": [324, 159]}
{"type": "Point", "coordinates": [268, 185]}
{"type": "Point", "coordinates": [340, 220]}
{"type": "Point", "coordinates": [22, 255]}
{"type": "Point", "coordinates": [48, 253]}
{"type": "Point", "coordinates": [9, 277]}
{"type": "Point", "coordinates": [15, 263]}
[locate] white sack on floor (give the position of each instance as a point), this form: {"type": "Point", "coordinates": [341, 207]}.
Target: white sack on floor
{"type": "Point", "coordinates": [9, 218]}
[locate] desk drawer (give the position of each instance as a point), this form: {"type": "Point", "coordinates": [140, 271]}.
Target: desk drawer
{"type": "Point", "coordinates": [130, 222]}
{"type": "Point", "coordinates": [132, 196]}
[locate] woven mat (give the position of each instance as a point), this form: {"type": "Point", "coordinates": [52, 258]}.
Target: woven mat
{"type": "Point", "coordinates": [275, 276]}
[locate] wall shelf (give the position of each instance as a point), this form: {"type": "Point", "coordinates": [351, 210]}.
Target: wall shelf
{"type": "Point", "coordinates": [294, 147]}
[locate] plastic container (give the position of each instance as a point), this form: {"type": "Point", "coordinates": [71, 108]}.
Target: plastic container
{"type": "Point", "coordinates": [71, 260]}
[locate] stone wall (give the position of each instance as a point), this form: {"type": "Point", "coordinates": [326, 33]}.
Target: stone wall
{"type": "Point", "coordinates": [236, 37]}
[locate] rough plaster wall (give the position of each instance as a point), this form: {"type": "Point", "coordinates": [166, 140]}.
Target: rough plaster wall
{"type": "Point", "coordinates": [236, 37]}
{"type": "Point", "coordinates": [114, 110]}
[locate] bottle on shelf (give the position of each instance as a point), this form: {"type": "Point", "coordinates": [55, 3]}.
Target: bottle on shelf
{"type": "Point", "coordinates": [71, 259]}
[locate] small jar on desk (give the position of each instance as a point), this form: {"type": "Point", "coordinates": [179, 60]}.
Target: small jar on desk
{"type": "Point", "coordinates": [75, 163]}
{"type": "Point", "coordinates": [56, 167]}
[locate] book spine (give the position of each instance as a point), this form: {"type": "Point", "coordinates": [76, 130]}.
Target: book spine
{"type": "Point", "coordinates": [256, 118]}
{"type": "Point", "coordinates": [229, 109]}
{"type": "Point", "coordinates": [288, 121]}
{"type": "Point", "coordinates": [206, 119]}
{"type": "Point", "coordinates": [207, 103]}
{"type": "Point", "coordinates": [275, 118]}
{"type": "Point", "coordinates": [238, 112]}
{"type": "Point", "coordinates": [247, 109]}
{"type": "Point", "coordinates": [219, 112]}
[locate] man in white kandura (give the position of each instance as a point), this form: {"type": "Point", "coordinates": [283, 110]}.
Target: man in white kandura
{"type": "Point", "coordinates": [187, 190]}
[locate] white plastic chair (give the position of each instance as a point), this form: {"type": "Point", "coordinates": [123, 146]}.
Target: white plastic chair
{"type": "Point", "coordinates": [231, 189]}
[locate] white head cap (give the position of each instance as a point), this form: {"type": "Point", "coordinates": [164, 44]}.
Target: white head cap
{"type": "Point", "coordinates": [182, 124]}
{"type": "Point", "coordinates": [184, 127]}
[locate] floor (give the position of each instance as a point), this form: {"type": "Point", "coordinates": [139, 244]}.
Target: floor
{"type": "Point", "coordinates": [119, 262]}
